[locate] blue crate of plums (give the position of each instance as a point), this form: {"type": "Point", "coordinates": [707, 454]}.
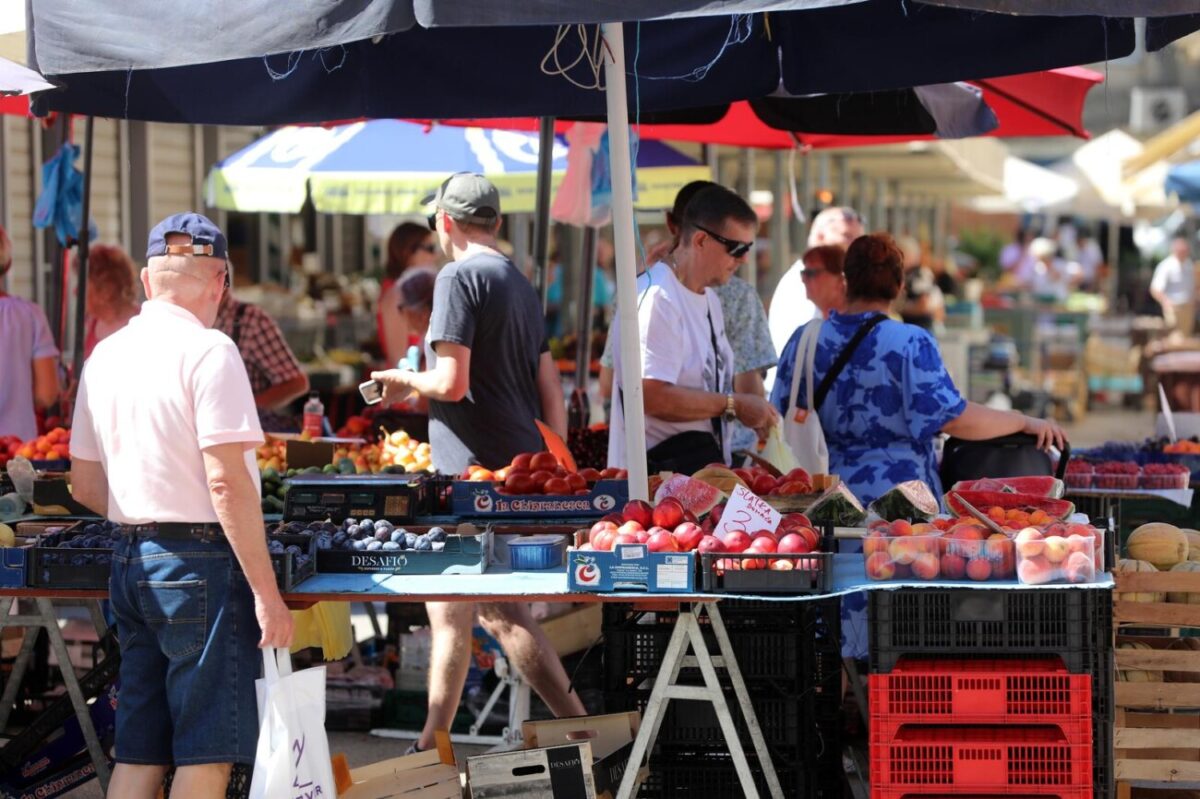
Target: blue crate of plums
{"type": "Point", "coordinates": [78, 556]}
{"type": "Point", "coordinates": [370, 546]}
{"type": "Point", "coordinates": [293, 557]}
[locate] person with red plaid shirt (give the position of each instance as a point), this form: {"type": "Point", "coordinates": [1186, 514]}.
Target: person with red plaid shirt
{"type": "Point", "coordinates": [275, 375]}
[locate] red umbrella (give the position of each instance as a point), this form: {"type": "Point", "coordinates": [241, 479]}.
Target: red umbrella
{"type": "Point", "coordinates": [1047, 103]}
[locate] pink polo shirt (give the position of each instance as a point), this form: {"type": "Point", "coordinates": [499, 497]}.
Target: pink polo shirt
{"type": "Point", "coordinates": [152, 396]}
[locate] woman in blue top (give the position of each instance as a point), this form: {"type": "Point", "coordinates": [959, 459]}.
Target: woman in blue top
{"type": "Point", "coordinates": [893, 396]}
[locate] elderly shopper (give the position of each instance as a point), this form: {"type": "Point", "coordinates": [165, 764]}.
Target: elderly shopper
{"type": "Point", "coordinates": [163, 443]}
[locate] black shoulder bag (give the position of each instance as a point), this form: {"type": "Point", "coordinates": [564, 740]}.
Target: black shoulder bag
{"type": "Point", "coordinates": [826, 384]}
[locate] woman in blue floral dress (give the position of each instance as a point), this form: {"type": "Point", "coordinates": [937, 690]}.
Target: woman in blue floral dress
{"type": "Point", "coordinates": [893, 397]}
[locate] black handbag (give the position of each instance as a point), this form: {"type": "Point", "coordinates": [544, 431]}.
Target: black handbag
{"type": "Point", "coordinates": [684, 453]}
{"type": "Point", "coordinates": [1015, 455]}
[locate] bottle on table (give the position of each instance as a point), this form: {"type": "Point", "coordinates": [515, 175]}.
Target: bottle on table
{"type": "Point", "coordinates": [314, 416]}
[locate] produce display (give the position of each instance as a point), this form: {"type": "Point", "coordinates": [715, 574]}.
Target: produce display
{"type": "Point", "coordinates": [1009, 501]}
{"type": "Point", "coordinates": [1153, 464]}
{"type": "Point", "coordinates": [911, 500]}
{"type": "Point", "coordinates": [540, 473]}
{"type": "Point", "coordinates": [1038, 486]}
{"type": "Point", "coordinates": [53, 446]}
{"type": "Point", "coordinates": [68, 546]}
{"type": "Point", "coordinates": [1158, 547]}
{"type": "Point", "coordinates": [367, 535]}
{"type": "Point", "coordinates": [394, 451]}
{"type": "Point", "coordinates": [839, 507]}
{"type": "Point", "coordinates": [1116, 475]}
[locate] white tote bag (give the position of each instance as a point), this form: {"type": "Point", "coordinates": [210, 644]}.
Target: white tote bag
{"type": "Point", "coordinates": [293, 753]}
{"type": "Point", "coordinates": [802, 426]}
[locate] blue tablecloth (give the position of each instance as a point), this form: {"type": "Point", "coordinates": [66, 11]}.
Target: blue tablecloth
{"type": "Point", "coordinates": [848, 577]}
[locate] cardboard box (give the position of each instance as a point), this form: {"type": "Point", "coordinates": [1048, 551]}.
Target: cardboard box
{"type": "Point", "coordinates": [574, 631]}
{"type": "Point", "coordinates": [424, 775]}
{"type": "Point", "coordinates": [482, 499]}
{"type": "Point", "coordinates": [610, 737]}
{"type": "Point", "coordinates": [556, 772]}
{"type": "Point", "coordinates": [631, 567]}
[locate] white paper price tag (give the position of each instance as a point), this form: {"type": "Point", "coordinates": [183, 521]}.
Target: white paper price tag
{"type": "Point", "coordinates": [748, 513]}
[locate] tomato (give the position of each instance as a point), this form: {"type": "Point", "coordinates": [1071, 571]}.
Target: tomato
{"type": "Point", "coordinates": [576, 482]}
{"type": "Point", "coordinates": [589, 474]}
{"type": "Point", "coordinates": [482, 476]}
{"type": "Point", "coordinates": [522, 461]}
{"type": "Point", "coordinates": [797, 475]}
{"type": "Point", "coordinates": [519, 484]}
{"type": "Point", "coordinates": [540, 478]}
{"type": "Point", "coordinates": [609, 474]}
{"type": "Point", "coordinates": [557, 486]}
{"type": "Point", "coordinates": [794, 487]}
{"type": "Point", "coordinates": [543, 460]}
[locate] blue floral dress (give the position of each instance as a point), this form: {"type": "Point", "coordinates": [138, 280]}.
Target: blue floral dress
{"type": "Point", "coordinates": [884, 409]}
{"type": "Point", "coordinates": [880, 418]}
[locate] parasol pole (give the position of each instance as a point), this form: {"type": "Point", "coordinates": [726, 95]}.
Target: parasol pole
{"type": "Point", "coordinates": [626, 265]}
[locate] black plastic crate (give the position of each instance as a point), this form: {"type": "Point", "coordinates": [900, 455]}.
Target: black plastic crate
{"type": "Point", "coordinates": [291, 570]}
{"type": "Point", "coordinates": [812, 573]}
{"type": "Point", "coordinates": [804, 655]}
{"type": "Point", "coordinates": [1075, 624]}
{"type": "Point", "coordinates": [54, 562]}
{"type": "Point", "coordinates": [707, 774]}
{"type": "Point", "coordinates": [786, 721]}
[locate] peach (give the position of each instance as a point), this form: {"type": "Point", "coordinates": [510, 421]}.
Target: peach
{"type": "Point", "coordinates": [1030, 542]}
{"type": "Point", "coordinates": [874, 542]}
{"type": "Point", "coordinates": [926, 566]}
{"type": "Point", "coordinates": [1035, 571]}
{"type": "Point", "coordinates": [954, 567]}
{"type": "Point", "coordinates": [901, 527]}
{"type": "Point", "coordinates": [1056, 549]}
{"type": "Point", "coordinates": [979, 569]}
{"type": "Point", "coordinates": [1077, 543]}
{"type": "Point", "coordinates": [968, 532]}
{"type": "Point", "coordinates": [903, 550]}
{"type": "Point", "coordinates": [924, 528]}
{"type": "Point", "coordinates": [880, 567]}
{"type": "Point", "coordinates": [996, 546]}
{"type": "Point", "coordinates": [1080, 568]}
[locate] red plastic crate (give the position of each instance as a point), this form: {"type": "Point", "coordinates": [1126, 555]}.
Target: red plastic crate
{"type": "Point", "coordinates": [1036, 691]}
{"type": "Point", "coordinates": [1019, 793]}
{"type": "Point", "coordinates": [957, 760]}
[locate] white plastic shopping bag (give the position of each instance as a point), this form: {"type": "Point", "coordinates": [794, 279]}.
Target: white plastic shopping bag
{"type": "Point", "coordinates": [292, 761]}
{"type": "Point", "coordinates": [802, 426]}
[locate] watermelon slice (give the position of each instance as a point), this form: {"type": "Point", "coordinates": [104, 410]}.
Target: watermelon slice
{"type": "Point", "coordinates": [1044, 486]}
{"type": "Point", "coordinates": [695, 495]}
{"type": "Point", "coordinates": [982, 500]}
{"type": "Point", "coordinates": [911, 500]}
{"type": "Point", "coordinates": [839, 507]}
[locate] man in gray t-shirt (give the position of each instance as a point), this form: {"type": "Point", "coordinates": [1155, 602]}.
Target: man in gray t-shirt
{"type": "Point", "coordinates": [484, 304]}
{"type": "Point", "coordinates": [493, 375]}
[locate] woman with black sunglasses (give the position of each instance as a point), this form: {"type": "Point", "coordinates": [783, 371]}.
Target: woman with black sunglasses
{"type": "Point", "coordinates": [409, 245]}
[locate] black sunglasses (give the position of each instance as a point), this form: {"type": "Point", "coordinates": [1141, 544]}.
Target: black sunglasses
{"type": "Point", "coordinates": [228, 282]}
{"type": "Point", "coordinates": [432, 219]}
{"type": "Point", "coordinates": [735, 248]}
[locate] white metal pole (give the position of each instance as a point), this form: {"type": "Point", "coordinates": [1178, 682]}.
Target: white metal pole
{"type": "Point", "coordinates": [626, 265]}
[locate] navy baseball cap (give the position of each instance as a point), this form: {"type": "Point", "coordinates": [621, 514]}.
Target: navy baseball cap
{"type": "Point", "coordinates": [207, 238]}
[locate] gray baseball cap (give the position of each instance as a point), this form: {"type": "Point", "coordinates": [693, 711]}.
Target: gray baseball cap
{"type": "Point", "coordinates": [467, 197]}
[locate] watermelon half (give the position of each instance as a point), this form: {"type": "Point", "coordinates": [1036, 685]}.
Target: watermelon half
{"type": "Point", "coordinates": [837, 506]}
{"type": "Point", "coordinates": [695, 495]}
{"type": "Point", "coordinates": [982, 500]}
{"type": "Point", "coordinates": [911, 500]}
{"type": "Point", "coordinates": [1044, 486]}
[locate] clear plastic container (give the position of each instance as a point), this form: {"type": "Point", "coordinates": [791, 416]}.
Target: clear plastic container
{"type": "Point", "coordinates": [981, 560]}
{"type": "Point", "coordinates": [1049, 559]}
{"type": "Point", "coordinates": [916, 557]}
{"type": "Point", "coordinates": [1115, 482]}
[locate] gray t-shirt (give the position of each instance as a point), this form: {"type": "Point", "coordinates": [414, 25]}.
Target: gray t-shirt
{"type": "Point", "coordinates": [484, 303]}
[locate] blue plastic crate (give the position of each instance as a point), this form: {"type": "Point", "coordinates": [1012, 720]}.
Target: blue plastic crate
{"type": "Point", "coordinates": [536, 552]}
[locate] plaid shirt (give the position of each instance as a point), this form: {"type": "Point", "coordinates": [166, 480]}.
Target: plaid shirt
{"type": "Point", "coordinates": [269, 360]}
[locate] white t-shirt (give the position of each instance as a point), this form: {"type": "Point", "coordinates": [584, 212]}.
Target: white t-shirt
{"type": "Point", "coordinates": [1175, 280]}
{"type": "Point", "coordinates": [676, 327]}
{"type": "Point", "coordinates": [152, 396]}
{"type": "Point", "coordinates": [790, 308]}
{"type": "Point", "coordinates": [1057, 283]}
{"type": "Point", "coordinates": [1089, 259]}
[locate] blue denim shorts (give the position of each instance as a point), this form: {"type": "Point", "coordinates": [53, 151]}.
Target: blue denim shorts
{"type": "Point", "coordinates": [189, 653]}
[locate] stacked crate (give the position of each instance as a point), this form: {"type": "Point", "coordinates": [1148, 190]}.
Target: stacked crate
{"type": "Point", "coordinates": [922, 633]}
{"type": "Point", "coordinates": [942, 727]}
{"type": "Point", "coordinates": [790, 658]}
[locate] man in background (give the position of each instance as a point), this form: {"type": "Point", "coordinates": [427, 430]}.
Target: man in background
{"type": "Point", "coordinates": [1174, 286]}
{"type": "Point", "coordinates": [28, 358]}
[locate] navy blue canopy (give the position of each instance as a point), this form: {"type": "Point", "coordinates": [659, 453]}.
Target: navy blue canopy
{"type": "Point", "coordinates": [455, 72]}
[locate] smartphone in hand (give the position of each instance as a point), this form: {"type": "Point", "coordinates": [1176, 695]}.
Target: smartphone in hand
{"type": "Point", "coordinates": [372, 392]}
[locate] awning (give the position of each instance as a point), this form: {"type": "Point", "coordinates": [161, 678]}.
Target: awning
{"type": "Point", "coordinates": [388, 166]}
{"type": "Point", "coordinates": [1184, 182]}
{"type": "Point", "coordinates": [1103, 191]}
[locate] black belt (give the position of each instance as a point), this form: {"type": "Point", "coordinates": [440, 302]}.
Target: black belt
{"type": "Point", "coordinates": [207, 531]}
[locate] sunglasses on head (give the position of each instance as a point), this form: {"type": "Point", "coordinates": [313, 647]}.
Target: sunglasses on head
{"type": "Point", "coordinates": [732, 246]}
{"type": "Point", "coordinates": [432, 220]}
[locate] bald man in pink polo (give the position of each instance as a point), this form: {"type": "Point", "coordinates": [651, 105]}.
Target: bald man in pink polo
{"type": "Point", "coordinates": [163, 443]}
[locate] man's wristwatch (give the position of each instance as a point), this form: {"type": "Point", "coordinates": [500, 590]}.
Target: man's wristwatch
{"type": "Point", "coordinates": [730, 414]}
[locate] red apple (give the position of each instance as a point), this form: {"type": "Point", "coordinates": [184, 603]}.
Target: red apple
{"type": "Point", "coordinates": [616, 519]}
{"type": "Point", "coordinates": [763, 485]}
{"type": "Point", "coordinates": [714, 515]}
{"type": "Point", "coordinates": [662, 541]}
{"type": "Point", "coordinates": [638, 511]}
{"type": "Point", "coordinates": [630, 528]}
{"type": "Point", "coordinates": [603, 541]}
{"type": "Point", "coordinates": [763, 543]}
{"type": "Point", "coordinates": [642, 537]}
{"type": "Point", "coordinates": [601, 527]}
{"type": "Point", "coordinates": [688, 535]}
{"type": "Point", "coordinates": [668, 513]}
{"type": "Point", "coordinates": [793, 520]}
{"type": "Point", "coordinates": [710, 543]}
{"type": "Point", "coordinates": [736, 541]}
{"type": "Point", "coordinates": [625, 538]}
{"type": "Point", "coordinates": [793, 543]}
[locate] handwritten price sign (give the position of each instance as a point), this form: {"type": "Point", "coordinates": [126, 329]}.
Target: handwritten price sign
{"type": "Point", "coordinates": [748, 513]}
